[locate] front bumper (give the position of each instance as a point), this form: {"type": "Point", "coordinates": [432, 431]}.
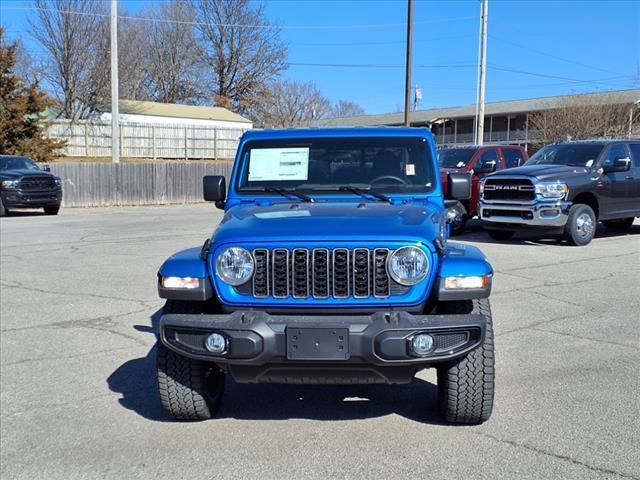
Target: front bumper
{"type": "Point", "coordinates": [550, 214]}
{"type": "Point", "coordinates": [322, 349]}
{"type": "Point", "coordinates": [31, 199]}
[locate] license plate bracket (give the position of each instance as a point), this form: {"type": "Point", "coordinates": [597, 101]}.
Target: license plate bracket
{"type": "Point", "coordinates": [317, 343]}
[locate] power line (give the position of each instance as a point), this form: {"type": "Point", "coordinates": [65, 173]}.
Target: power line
{"type": "Point", "coordinates": [357, 44]}
{"type": "Point", "coordinates": [240, 25]}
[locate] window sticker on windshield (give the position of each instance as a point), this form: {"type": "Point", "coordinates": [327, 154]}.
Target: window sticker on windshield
{"type": "Point", "coordinates": [460, 164]}
{"type": "Point", "coordinates": [410, 169]}
{"type": "Point", "coordinates": [279, 164]}
{"type": "Point", "coordinates": [589, 163]}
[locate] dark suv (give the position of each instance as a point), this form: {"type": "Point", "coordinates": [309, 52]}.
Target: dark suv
{"type": "Point", "coordinates": [476, 162]}
{"type": "Point", "coordinates": [566, 188]}
{"type": "Point", "coordinates": [23, 184]}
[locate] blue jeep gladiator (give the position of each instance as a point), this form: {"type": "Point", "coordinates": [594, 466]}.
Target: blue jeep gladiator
{"type": "Point", "coordinates": [331, 266]}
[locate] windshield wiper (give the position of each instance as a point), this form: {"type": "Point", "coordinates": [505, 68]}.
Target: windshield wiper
{"type": "Point", "coordinates": [285, 192]}
{"type": "Point", "coordinates": [363, 192]}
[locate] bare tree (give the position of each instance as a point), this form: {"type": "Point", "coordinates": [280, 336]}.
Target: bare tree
{"type": "Point", "coordinates": [241, 48]}
{"type": "Point", "coordinates": [71, 41]}
{"type": "Point", "coordinates": [347, 108]}
{"type": "Point", "coordinates": [288, 104]}
{"type": "Point", "coordinates": [579, 118]}
{"type": "Point", "coordinates": [173, 54]}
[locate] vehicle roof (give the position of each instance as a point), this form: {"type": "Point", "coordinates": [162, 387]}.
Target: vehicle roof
{"type": "Point", "coordinates": [460, 147]}
{"type": "Point", "coordinates": [336, 133]}
{"type": "Point", "coordinates": [13, 156]}
{"type": "Point", "coordinates": [597, 141]}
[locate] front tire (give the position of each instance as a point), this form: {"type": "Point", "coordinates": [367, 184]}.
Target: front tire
{"type": "Point", "coordinates": [52, 210]}
{"type": "Point", "coordinates": [189, 389]}
{"type": "Point", "coordinates": [623, 224]}
{"type": "Point", "coordinates": [501, 235]}
{"type": "Point", "coordinates": [3, 211]}
{"type": "Point", "coordinates": [581, 225]}
{"type": "Point", "coordinates": [466, 386]}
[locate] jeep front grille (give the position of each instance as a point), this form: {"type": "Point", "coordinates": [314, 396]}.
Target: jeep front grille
{"type": "Point", "coordinates": [322, 273]}
{"type": "Point", "coordinates": [509, 190]}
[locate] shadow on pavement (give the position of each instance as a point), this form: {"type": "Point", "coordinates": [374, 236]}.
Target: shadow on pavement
{"type": "Point", "coordinates": [135, 381]}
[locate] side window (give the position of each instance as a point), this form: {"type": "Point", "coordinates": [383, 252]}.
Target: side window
{"type": "Point", "coordinates": [512, 157]}
{"type": "Point", "coordinates": [489, 157]}
{"type": "Point", "coordinates": [635, 150]}
{"type": "Point", "coordinates": [616, 151]}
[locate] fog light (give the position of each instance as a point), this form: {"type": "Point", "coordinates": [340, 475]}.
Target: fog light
{"type": "Point", "coordinates": [216, 343]}
{"type": "Point", "coordinates": [422, 344]}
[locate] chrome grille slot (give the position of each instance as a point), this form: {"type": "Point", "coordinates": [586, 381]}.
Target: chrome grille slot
{"type": "Point", "coordinates": [280, 273]}
{"type": "Point", "coordinates": [300, 273]}
{"type": "Point", "coordinates": [381, 278]}
{"type": "Point", "coordinates": [261, 274]}
{"type": "Point", "coordinates": [341, 273]}
{"type": "Point", "coordinates": [361, 273]}
{"type": "Point", "coordinates": [320, 273]}
{"type": "Point", "coordinates": [323, 273]}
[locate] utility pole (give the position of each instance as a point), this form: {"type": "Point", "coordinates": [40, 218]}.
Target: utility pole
{"type": "Point", "coordinates": [479, 131]}
{"type": "Point", "coordinates": [115, 113]}
{"type": "Point", "coordinates": [407, 82]}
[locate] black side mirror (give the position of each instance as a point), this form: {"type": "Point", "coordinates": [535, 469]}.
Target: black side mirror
{"type": "Point", "coordinates": [46, 168]}
{"type": "Point", "coordinates": [620, 164]}
{"type": "Point", "coordinates": [214, 188]}
{"type": "Point", "coordinates": [459, 185]}
{"type": "Point", "coordinates": [486, 167]}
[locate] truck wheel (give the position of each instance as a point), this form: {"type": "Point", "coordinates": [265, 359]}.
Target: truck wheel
{"type": "Point", "coordinates": [189, 389]}
{"type": "Point", "coordinates": [466, 386]}
{"type": "Point", "coordinates": [457, 217]}
{"type": "Point", "coordinates": [622, 224]}
{"type": "Point", "coordinates": [52, 210]}
{"type": "Point", "coordinates": [3, 211]}
{"type": "Point", "coordinates": [501, 235]}
{"type": "Point", "coordinates": [581, 225]}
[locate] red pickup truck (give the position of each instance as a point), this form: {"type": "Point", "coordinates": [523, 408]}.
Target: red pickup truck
{"type": "Point", "coordinates": [476, 161]}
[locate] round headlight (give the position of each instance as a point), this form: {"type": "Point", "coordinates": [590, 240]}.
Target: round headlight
{"type": "Point", "coordinates": [234, 266]}
{"type": "Point", "coordinates": [408, 265]}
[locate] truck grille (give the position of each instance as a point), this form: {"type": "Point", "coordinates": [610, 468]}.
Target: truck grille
{"type": "Point", "coordinates": [37, 183]}
{"type": "Point", "coordinates": [322, 273]}
{"type": "Point", "coordinates": [509, 190]}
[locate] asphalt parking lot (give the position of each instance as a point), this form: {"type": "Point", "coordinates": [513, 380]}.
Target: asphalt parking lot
{"type": "Point", "coordinates": [77, 379]}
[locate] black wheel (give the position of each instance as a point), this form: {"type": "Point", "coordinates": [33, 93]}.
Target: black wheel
{"type": "Point", "coordinates": [52, 210]}
{"type": "Point", "coordinates": [457, 217]}
{"type": "Point", "coordinates": [622, 224]}
{"type": "Point", "coordinates": [581, 225]}
{"type": "Point", "coordinates": [466, 386]}
{"type": "Point", "coordinates": [501, 235]}
{"type": "Point", "coordinates": [189, 389]}
{"type": "Point", "coordinates": [3, 211]}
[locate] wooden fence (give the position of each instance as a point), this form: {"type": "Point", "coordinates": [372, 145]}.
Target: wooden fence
{"type": "Point", "coordinates": [106, 184]}
{"type": "Point", "coordinates": [139, 140]}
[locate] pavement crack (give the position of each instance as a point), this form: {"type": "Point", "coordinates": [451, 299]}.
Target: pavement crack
{"type": "Point", "coordinates": [61, 357]}
{"type": "Point", "coordinates": [593, 468]}
{"type": "Point", "coordinates": [618, 344]}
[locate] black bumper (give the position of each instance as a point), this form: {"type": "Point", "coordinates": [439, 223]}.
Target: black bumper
{"type": "Point", "coordinates": [31, 199]}
{"type": "Point", "coordinates": [322, 349]}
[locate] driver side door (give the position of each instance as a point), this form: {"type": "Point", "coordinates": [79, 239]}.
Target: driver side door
{"type": "Point", "coordinates": [613, 186]}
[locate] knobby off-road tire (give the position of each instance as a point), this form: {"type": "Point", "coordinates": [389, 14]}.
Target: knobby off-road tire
{"type": "Point", "coordinates": [189, 389]}
{"type": "Point", "coordinates": [501, 235]}
{"type": "Point", "coordinates": [623, 224]}
{"type": "Point", "coordinates": [466, 386]}
{"type": "Point", "coordinates": [581, 225]}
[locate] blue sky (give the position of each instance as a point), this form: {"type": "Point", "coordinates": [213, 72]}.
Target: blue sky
{"type": "Point", "coordinates": [556, 42]}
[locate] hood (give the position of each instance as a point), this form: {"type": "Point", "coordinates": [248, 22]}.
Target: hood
{"type": "Point", "coordinates": [330, 221]}
{"type": "Point", "coordinates": [12, 174]}
{"type": "Point", "coordinates": [544, 172]}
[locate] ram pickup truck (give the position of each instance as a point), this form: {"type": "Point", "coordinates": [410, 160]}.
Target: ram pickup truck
{"type": "Point", "coordinates": [471, 164]}
{"type": "Point", "coordinates": [330, 266]}
{"type": "Point", "coordinates": [566, 188]}
{"type": "Point", "coordinates": [23, 184]}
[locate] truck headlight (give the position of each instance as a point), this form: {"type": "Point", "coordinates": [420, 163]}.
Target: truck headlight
{"type": "Point", "coordinates": [10, 183]}
{"type": "Point", "coordinates": [408, 265]}
{"type": "Point", "coordinates": [234, 266]}
{"type": "Point", "coordinates": [552, 190]}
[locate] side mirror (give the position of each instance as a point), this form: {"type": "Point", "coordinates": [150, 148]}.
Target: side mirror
{"type": "Point", "coordinates": [214, 189]}
{"type": "Point", "coordinates": [486, 167]}
{"type": "Point", "coordinates": [459, 185]}
{"type": "Point", "coordinates": [620, 164]}
{"type": "Point", "coordinates": [46, 168]}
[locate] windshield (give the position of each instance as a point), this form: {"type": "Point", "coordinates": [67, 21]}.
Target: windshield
{"type": "Point", "coordinates": [575, 155]}
{"type": "Point", "coordinates": [17, 163]}
{"type": "Point", "coordinates": [330, 164]}
{"type": "Point", "coordinates": [455, 157]}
